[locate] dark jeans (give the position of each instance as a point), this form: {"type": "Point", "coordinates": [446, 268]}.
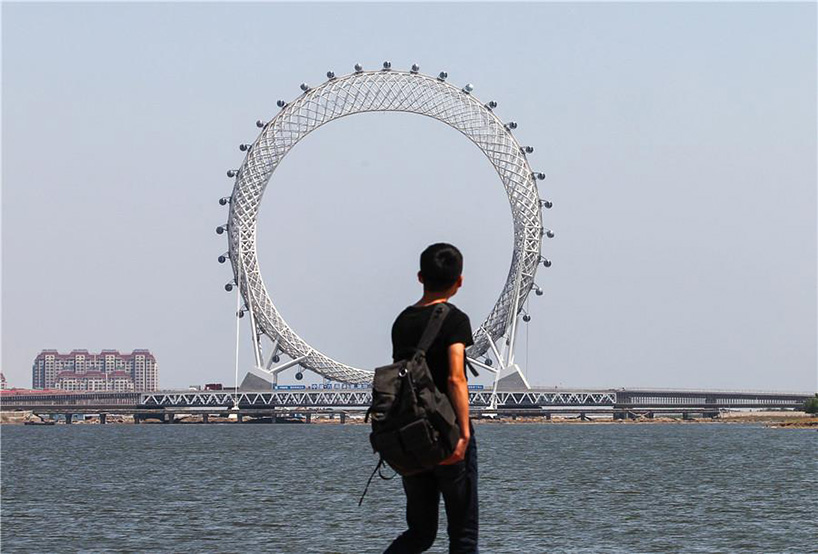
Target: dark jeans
{"type": "Point", "coordinates": [458, 484]}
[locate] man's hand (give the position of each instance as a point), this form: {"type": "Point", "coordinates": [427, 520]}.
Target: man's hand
{"type": "Point", "coordinates": [459, 453]}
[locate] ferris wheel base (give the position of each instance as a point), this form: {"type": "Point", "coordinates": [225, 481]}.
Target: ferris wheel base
{"type": "Point", "coordinates": [513, 380]}
{"type": "Point", "coordinates": [257, 380]}
{"type": "Point", "coordinates": [508, 378]}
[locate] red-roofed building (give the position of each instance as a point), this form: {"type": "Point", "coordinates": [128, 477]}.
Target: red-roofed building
{"type": "Point", "coordinates": [107, 371]}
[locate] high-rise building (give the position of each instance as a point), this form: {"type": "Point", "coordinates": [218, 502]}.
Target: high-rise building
{"type": "Point", "coordinates": [115, 381]}
{"type": "Point", "coordinates": [108, 370]}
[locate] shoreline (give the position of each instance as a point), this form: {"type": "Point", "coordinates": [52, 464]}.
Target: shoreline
{"type": "Point", "coordinates": [771, 419]}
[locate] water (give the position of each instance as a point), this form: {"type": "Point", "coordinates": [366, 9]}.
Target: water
{"type": "Point", "coordinates": [294, 488]}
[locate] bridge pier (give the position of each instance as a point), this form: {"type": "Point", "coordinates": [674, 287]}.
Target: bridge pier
{"type": "Point", "coordinates": [168, 418]}
{"type": "Point", "coordinates": [686, 416]}
{"type": "Point", "coordinates": [309, 417]}
{"type": "Point", "coordinates": [205, 418]}
{"type": "Point", "coordinates": [69, 418]}
{"type": "Point", "coordinates": [103, 418]}
{"type": "Point", "coordinates": [343, 418]}
{"type": "Point", "coordinates": [649, 415]}
{"type": "Point", "coordinates": [547, 416]}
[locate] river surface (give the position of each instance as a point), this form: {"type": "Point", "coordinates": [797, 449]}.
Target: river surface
{"type": "Point", "coordinates": [295, 488]}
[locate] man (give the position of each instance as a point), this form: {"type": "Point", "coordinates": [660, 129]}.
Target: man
{"type": "Point", "coordinates": [441, 267]}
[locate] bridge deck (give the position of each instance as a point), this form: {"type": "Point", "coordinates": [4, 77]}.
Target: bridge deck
{"type": "Point", "coordinates": [359, 399]}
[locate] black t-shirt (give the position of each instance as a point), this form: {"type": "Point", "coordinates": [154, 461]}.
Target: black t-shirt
{"type": "Point", "coordinates": [408, 328]}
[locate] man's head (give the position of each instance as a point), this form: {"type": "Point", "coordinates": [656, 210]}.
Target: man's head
{"type": "Point", "coordinates": [441, 266]}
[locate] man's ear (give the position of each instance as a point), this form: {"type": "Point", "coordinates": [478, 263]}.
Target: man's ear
{"type": "Point", "coordinates": [420, 277]}
{"type": "Point", "coordinates": [460, 281]}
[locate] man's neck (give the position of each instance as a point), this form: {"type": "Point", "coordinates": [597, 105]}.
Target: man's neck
{"type": "Point", "coordinates": [430, 298]}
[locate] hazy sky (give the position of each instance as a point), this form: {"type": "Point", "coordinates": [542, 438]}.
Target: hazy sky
{"type": "Point", "coordinates": [679, 142]}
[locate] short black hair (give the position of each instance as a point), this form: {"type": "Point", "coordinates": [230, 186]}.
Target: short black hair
{"type": "Point", "coordinates": [441, 264]}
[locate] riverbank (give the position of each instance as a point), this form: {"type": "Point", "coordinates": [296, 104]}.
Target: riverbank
{"type": "Point", "coordinates": [776, 419]}
{"type": "Point", "coordinates": [789, 419]}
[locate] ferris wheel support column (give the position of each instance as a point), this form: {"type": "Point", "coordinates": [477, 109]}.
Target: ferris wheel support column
{"type": "Point", "coordinates": [497, 372]}
{"type": "Point", "coordinates": [286, 365]}
{"type": "Point", "coordinates": [273, 353]}
{"type": "Point", "coordinates": [243, 284]}
{"type": "Point", "coordinates": [514, 316]}
{"type": "Point", "coordinates": [256, 337]}
{"type": "Point", "coordinates": [268, 378]}
{"type": "Point", "coordinates": [508, 346]}
{"type": "Point", "coordinates": [481, 365]}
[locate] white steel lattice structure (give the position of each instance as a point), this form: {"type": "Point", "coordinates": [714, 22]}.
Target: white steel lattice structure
{"type": "Point", "coordinates": [370, 91]}
{"type": "Point", "coordinates": [362, 398]}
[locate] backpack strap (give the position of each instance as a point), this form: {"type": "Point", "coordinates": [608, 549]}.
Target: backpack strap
{"type": "Point", "coordinates": [439, 313]}
{"type": "Point", "coordinates": [369, 481]}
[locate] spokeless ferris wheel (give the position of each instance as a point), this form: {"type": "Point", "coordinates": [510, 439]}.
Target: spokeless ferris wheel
{"type": "Point", "coordinates": [370, 91]}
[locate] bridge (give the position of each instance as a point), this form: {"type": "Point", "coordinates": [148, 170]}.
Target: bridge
{"type": "Point", "coordinates": [617, 403]}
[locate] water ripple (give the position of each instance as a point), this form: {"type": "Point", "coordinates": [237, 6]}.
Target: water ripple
{"type": "Point", "coordinates": [294, 488]}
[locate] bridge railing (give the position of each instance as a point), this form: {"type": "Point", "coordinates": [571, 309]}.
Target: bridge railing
{"type": "Point", "coordinates": [716, 398]}
{"type": "Point", "coordinates": [358, 398]}
{"type": "Point", "coordinates": [9, 399]}
{"type": "Point", "coordinates": [363, 397]}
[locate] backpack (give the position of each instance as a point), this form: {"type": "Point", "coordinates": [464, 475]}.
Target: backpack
{"type": "Point", "coordinates": [414, 426]}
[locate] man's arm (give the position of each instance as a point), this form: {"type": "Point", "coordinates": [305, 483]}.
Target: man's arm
{"type": "Point", "coordinates": [459, 394]}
